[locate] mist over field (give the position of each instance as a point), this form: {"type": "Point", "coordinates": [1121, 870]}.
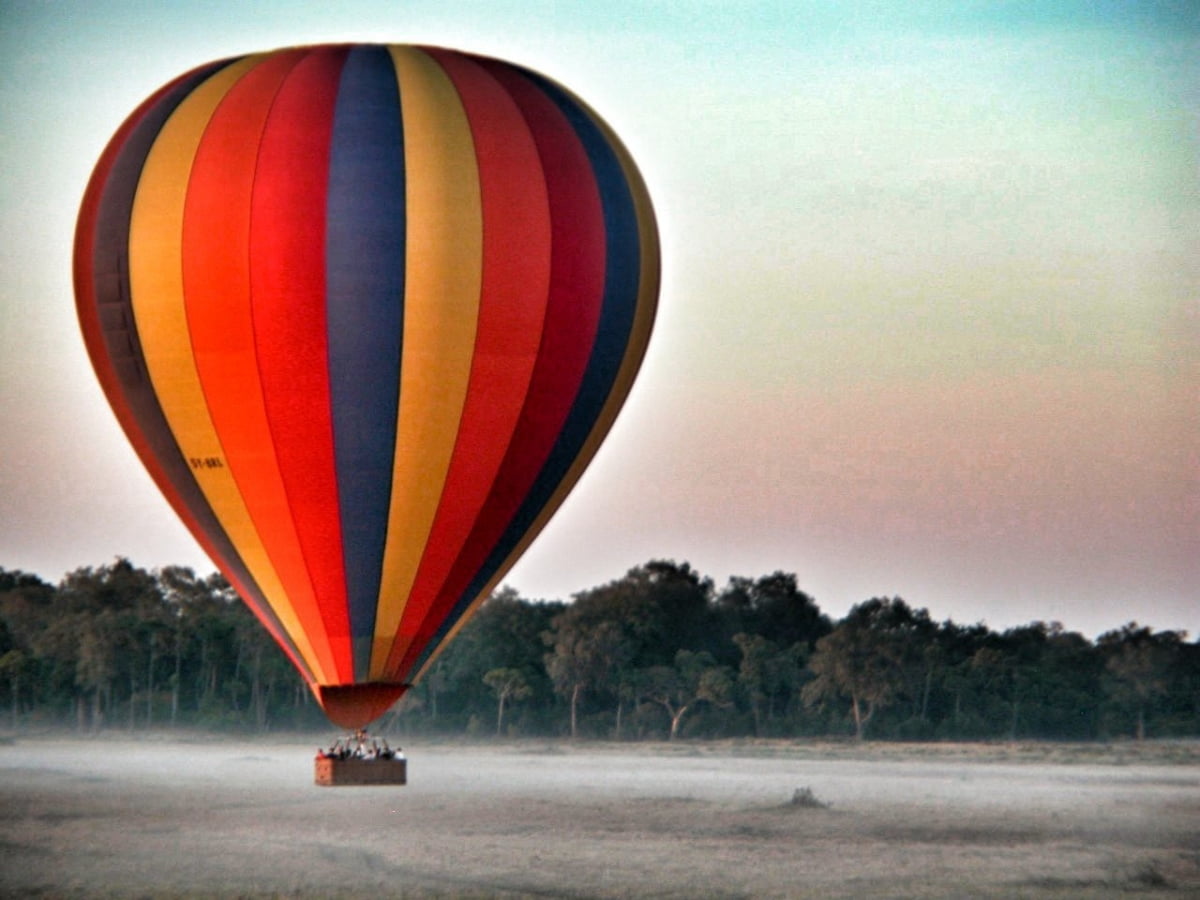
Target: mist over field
{"type": "Point", "coordinates": [172, 816]}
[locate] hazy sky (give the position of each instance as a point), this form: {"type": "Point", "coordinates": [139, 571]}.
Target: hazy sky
{"type": "Point", "coordinates": [929, 326]}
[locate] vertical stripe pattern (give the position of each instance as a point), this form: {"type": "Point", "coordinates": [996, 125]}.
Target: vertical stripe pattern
{"type": "Point", "coordinates": [365, 313]}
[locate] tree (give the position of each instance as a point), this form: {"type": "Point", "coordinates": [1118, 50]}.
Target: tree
{"type": "Point", "coordinates": [1139, 661]}
{"type": "Point", "coordinates": [13, 663]}
{"type": "Point", "coordinates": [1038, 678]}
{"type": "Point", "coordinates": [509, 685]}
{"type": "Point", "coordinates": [862, 660]}
{"type": "Point", "coordinates": [506, 633]}
{"type": "Point", "coordinates": [103, 608]}
{"type": "Point", "coordinates": [785, 673]}
{"type": "Point", "coordinates": [433, 683]}
{"type": "Point", "coordinates": [1061, 687]}
{"type": "Point", "coordinates": [96, 662]}
{"type": "Point", "coordinates": [775, 608]}
{"type": "Point", "coordinates": [958, 645]}
{"type": "Point", "coordinates": [24, 602]}
{"type": "Point", "coordinates": [757, 652]}
{"type": "Point", "coordinates": [695, 678]}
{"type": "Point", "coordinates": [584, 656]}
{"type": "Point", "coordinates": [182, 594]}
{"type": "Point", "coordinates": [661, 608]}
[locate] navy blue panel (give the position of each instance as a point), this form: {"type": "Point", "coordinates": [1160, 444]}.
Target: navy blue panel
{"type": "Point", "coordinates": [365, 299]}
{"type": "Point", "coordinates": [621, 284]}
{"type": "Point", "coordinates": [110, 254]}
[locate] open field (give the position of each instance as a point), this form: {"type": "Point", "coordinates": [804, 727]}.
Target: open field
{"type": "Point", "coordinates": [177, 817]}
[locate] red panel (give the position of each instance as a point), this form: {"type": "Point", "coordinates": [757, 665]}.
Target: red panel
{"type": "Point", "coordinates": [572, 317]}
{"type": "Point", "coordinates": [287, 246]}
{"type": "Point", "coordinates": [516, 282]}
{"type": "Point", "coordinates": [216, 270]}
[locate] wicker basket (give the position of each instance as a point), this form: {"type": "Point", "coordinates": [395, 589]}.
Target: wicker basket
{"type": "Point", "coordinates": [337, 772]}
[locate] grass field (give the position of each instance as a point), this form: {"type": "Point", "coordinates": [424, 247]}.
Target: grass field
{"type": "Point", "coordinates": [177, 817]}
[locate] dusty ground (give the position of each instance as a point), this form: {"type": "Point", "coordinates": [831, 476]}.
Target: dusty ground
{"type": "Point", "coordinates": [172, 817]}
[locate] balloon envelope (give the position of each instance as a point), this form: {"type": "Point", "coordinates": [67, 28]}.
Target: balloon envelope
{"type": "Point", "coordinates": [365, 313]}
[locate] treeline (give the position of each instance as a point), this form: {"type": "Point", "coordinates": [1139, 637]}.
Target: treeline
{"type": "Point", "coordinates": [659, 653]}
{"type": "Point", "coordinates": [118, 646]}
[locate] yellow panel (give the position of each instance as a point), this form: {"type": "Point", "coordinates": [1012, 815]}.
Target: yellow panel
{"type": "Point", "coordinates": [156, 285]}
{"type": "Point", "coordinates": [443, 278]}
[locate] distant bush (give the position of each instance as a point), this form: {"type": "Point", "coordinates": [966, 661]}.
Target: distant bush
{"type": "Point", "coordinates": [804, 798]}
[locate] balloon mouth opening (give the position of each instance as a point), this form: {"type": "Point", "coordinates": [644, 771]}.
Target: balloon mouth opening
{"type": "Point", "coordinates": [355, 706]}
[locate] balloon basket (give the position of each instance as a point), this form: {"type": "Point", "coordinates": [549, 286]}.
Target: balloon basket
{"type": "Point", "coordinates": [346, 772]}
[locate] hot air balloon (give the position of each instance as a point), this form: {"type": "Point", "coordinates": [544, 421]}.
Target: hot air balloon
{"type": "Point", "coordinates": [365, 313]}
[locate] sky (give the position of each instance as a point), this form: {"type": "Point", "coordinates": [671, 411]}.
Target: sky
{"type": "Point", "coordinates": [930, 313]}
